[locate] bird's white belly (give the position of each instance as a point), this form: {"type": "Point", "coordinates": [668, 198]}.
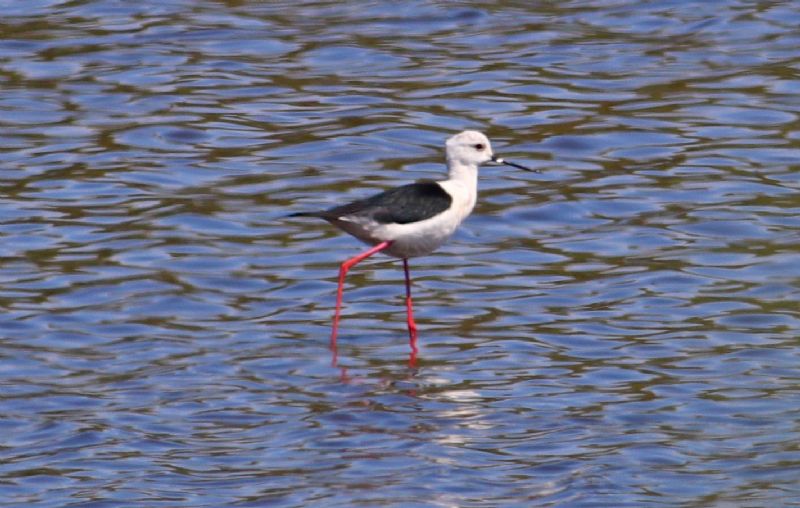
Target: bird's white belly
{"type": "Point", "coordinates": [419, 238]}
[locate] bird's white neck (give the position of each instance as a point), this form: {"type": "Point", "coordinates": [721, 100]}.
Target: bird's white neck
{"type": "Point", "coordinates": [462, 185]}
{"type": "Point", "coordinates": [466, 174]}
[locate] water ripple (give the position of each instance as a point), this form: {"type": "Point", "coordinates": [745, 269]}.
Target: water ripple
{"type": "Point", "coordinates": [618, 330]}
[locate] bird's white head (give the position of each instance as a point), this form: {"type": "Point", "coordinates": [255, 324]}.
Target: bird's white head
{"type": "Point", "coordinates": [469, 148]}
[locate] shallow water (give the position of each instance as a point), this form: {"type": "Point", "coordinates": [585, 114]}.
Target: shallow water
{"type": "Point", "coordinates": [620, 330]}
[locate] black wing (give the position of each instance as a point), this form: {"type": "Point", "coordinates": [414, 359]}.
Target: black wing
{"type": "Point", "coordinates": [402, 205]}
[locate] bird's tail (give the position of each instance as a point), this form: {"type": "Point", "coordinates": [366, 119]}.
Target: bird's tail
{"type": "Point", "coordinates": [305, 214]}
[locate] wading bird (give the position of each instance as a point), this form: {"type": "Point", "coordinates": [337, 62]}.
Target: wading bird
{"type": "Point", "coordinates": [414, 219]}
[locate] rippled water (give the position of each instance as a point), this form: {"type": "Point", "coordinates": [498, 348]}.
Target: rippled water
{"type": "Point", "coordinates": [621, 330]}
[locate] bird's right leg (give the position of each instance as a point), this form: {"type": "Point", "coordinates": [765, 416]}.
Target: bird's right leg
{"type": "Point", "coordinates": [412, 326]}
{"type": "Point", "coordinates": [340, 291]}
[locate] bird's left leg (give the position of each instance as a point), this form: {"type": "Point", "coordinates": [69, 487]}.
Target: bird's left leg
{"type": "Point", "coordinates": [343, 269]}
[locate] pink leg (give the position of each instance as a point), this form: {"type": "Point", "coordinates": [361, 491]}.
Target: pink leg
{"type": "Point", "coordinates": [340, 291]}
{"type": "Point", "coordinates": [412, 326]}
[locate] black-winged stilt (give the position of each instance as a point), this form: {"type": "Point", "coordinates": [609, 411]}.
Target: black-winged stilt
{"type": "Point", "coordinates": [414, 219]}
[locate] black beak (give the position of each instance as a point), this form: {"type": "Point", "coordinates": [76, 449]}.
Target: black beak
{"type": "Point", "coordinates": [500, 160]}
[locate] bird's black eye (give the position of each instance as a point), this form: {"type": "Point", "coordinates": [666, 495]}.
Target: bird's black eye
{"type": "Point", "coordinates": [479, 147]}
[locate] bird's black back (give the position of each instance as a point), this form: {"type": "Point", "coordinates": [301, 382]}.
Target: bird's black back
{"type": "Point", "coordinates": [414, 202]}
